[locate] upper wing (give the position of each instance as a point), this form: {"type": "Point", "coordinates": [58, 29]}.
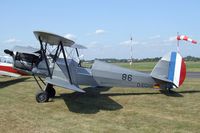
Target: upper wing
{"type": "Point", "coordinates": [53, 39]}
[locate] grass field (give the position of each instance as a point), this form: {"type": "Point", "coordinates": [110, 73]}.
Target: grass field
{"type": "Point", "coordinates": [148, 66]}
{"type": "Point", "coordinates": [100, 110]}
{"type": "Point", "coordinates": [115, 110]}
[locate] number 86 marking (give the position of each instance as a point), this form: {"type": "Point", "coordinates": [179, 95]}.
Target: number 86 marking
{"type": "Point", "coordinates": [128, 77]}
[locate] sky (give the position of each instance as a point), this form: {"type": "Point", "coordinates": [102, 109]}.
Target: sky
{"type": "Point", "coordinates": [104, 26]}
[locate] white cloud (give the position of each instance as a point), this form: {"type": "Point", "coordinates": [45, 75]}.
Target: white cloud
{"type": "Point", "coordinates": [100, 31]}
{"type": "Point", "coordinates": [128, 43]}
{"type": "Point", "coordinates": [96, 32]}
{"type": "Point", "coordinates": [144, 43]}
{"type": "Point", "coordinates": [106, 46]}
{"type": "Point", "coordinates": [155, 37]}
{"type": "Point", "coordinates": [171, 39]}
{"type": "Point", "coordinates": [12, 41]}
{"type": "Point", "coordinates": [94, 42]}
{"type": "Point", "coordinates": [70, 36]}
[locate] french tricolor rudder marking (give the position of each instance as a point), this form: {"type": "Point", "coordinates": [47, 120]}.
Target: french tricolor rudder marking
{"type": "Point", "coordinates": [182, 73]}
{"type": "Point", "coordinates": [172, 64]}
{"type": "Point", "coordinates": [177, 69]}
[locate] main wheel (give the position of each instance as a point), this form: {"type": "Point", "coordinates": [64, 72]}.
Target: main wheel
{"type": "Point", "coordinates": [42, 97]}
{"type": "Point", "coordinates": [50, 92]}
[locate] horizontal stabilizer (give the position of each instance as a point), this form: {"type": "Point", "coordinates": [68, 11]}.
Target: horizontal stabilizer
{"type": "Point", "coordinates": [164, 79]}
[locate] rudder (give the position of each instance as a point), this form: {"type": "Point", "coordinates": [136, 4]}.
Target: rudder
{"type": "Point", "coordinates": [171, 69]}
{"type": "Point", "coordinates": [177, 69]}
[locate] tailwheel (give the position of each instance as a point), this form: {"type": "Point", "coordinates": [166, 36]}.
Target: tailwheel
{"type": "Point", "coordinates": [169, 88]}
{"type": "Point", "coordinates": [50, 91]}
{"type": "Point", "coordinates": [42, 97]}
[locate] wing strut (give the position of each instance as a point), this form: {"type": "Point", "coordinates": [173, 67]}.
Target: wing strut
{"type": "Point", "coordinates": [45, 58]}
{"type": "Point", "coordinates": [66, 64]}
{"type": "Point", "coordinates": [77, 52]}
{"type": "Point", "coordinates": [57, 53]}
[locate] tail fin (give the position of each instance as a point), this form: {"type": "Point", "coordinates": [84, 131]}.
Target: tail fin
{"type": "Point", "coordinates": [171, 69]}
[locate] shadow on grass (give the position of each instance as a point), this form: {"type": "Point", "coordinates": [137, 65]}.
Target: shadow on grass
{"type": "Point", "coordinates": [90, 102]}
{"type": "Point", "coordinates": [171, 93]}
{"type": "Point", "coordinates": [179, 94]}
{"type": "Point", "coordinates": [190, 91]}
{"type": "Point", "coordinates": [93, 101]}
{"type": "Point", "coordinates": [4, 84]}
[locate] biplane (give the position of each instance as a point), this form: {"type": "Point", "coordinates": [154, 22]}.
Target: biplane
{"type": "Point", "coordinates": [6, 68]}
{"type": "Point", "coordinates": [55, 63]}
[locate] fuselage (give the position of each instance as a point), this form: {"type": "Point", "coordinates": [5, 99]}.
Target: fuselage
{"type": "Point", "coordinates": [106, 74]}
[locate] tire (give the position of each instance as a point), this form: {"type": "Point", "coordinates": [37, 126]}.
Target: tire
{"type": "Point", "coordinates": [42, 97]}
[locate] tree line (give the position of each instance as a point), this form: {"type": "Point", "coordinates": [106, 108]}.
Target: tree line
{"type": "Point", "coordinates": [113, 60]}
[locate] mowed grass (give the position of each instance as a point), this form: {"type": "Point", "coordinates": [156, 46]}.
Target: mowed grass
{"type": "Point", "coordinates": [140, 66]}
{"type": "Point", "coordinates": [125, 110]}
{"type": "Point", "coordinates": [148, 66]}
{"type": "Point", "coordinates": [193, 66]}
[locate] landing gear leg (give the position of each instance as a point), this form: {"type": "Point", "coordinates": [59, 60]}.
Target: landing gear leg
{"type": "Point", "coordinates": [169, 88]}
{"type": "Point", "coordinates": [50, 90]}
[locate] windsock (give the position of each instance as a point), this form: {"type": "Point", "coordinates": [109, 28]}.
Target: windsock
{"type": "Point", "coordinates": [186, 38]}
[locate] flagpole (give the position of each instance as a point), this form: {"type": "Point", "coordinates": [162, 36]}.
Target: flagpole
{"type": "Point", "coordinates": [131, 39]}
{"type": "Point", "coordinates": [178, 48]}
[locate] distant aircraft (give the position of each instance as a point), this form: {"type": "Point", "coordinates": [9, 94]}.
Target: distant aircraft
{"type": "Point", "coordinates": [56, 62]}
{"type": "Point", "coordinates": [6, 67]}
